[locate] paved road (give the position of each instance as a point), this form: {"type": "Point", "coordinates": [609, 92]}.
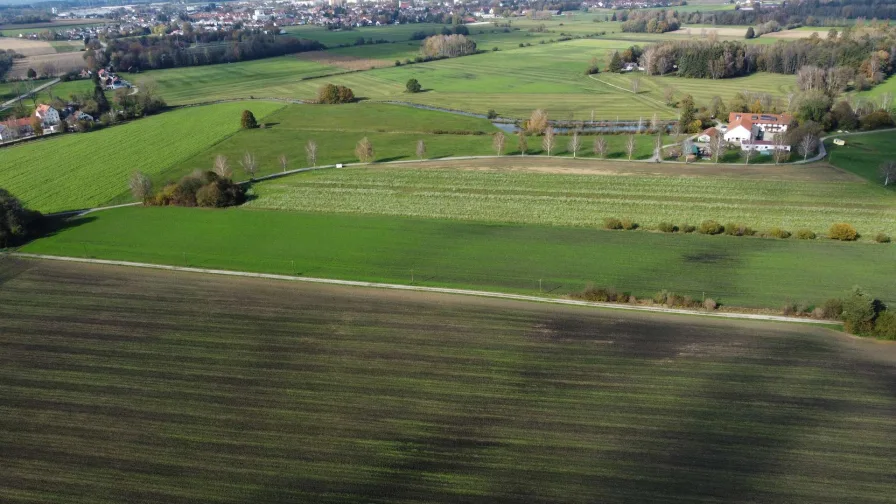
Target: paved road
{"type": "Point", "coordinates": [12, 102]}
{"type": "Point", "coordinates": [440, 290]}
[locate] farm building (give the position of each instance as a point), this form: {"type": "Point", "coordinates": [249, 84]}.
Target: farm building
{"type": "Point", "coordinates": [839, 141]}
{"type": "Point", "coordinates": [744, 126]}
{"type": "Point", "coordinates": [763, 146]}
{"type": "Point", "coordinates": [707, 135]}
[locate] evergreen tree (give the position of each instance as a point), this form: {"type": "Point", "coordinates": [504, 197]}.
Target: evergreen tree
{"type": "Point", "coordinates": [750, 33]}
{"type": "Point", "coordinates": [99, 96]}
{"type": "Point", "coordinates": [615, 63]}
{"type": "Point", "coordinates": [688, 111]}
{"type": "Point", "coordinates": [247, 120]}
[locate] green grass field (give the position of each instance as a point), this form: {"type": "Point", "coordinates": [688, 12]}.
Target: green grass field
{"type": "Point", "coordinates": [582, 200]}
{"type": "Point", "coordinates": [269, 78]}
{"type": "Point", "coordinates": [499, 257]}
{"type": "Point", "coordinates": [863, 154]}
{"type": "Point", "coordinates": [121, 385]}
{"type": "Point", "coordinates": [68, 172]}
{"type": "Point", "coordinates": [392, 129]}
{"type": "Point", "coordinates": [511, 81]}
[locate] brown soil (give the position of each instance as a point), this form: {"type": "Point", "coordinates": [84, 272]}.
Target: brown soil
{"type": "Point", "coordinates": [63, 62]}
{"type": "Point", "coordinates": [343, 60]}
{"type": "Point", "coordinates": [27, 47]}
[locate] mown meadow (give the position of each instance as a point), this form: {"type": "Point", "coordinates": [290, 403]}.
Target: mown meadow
{"type": "Point", "coordinates": [736, 271]}
{"type": "Point", "coordinates": [122, 385]}
{"type": "Point", "coordinates": [73, 171]}
{"type": "Point", "coordinates": [582, 200]}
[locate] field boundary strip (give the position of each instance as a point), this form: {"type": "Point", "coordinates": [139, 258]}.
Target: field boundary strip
{"type": "Point", "coordinates": [438, 290]}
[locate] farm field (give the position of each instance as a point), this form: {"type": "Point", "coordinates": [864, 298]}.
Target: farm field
{"type": "Point", "coordinates": [749, 272]}
{"type": "Point", "coordinates": [513, 82]}
{"type": "Point", "coordinates": [79, 171]}
{"type": "Point", "coordinates": [392, 129]}
{"type": "Point", "coordinates": [864, 153]}
{"type": "Point", "coordinates": [483, 194]}
{"type": "Point", "coordinates": [269, 78]}
{"type": "Point", "coordinates": [205, 389]}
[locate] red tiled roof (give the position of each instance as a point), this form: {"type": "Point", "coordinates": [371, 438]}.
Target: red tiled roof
{"type": "Point", "coordinates": [747, 119]}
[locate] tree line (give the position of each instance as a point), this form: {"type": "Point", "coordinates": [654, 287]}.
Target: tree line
{"type": "Point", "coordinates": [651, 22]}
{"type": "Point", "coordinates": [868, 58]}
{"type": "Point", "coordinates": [7, 58]}
{"type": "Point", "coordinates": [791, 14]}
{"type": "Point", "coordinates": [194, 49]}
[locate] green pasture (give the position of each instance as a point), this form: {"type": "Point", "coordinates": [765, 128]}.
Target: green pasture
{"type": "Point", "coordinates": [125, 385]}
{"type": "Point", "coordinates": [500, 257]}
{"type": "Point", "coordinates": [393, 130]}
{"type": "Point", "coordinates": [702, 90]}
{"type": "Point", "coordinates": [68, 172]}
{"type": "Point", "coordinates": [392, 33]}
{"type": "Point", "coordinates": [270, 77]}
{"type": "Point", "coordinates": [582, 200]}
{"type": "Point", "coordinates": [513, 82]}
{"type": "Point", "coordinates": [67, 46]}
{"type": "Point", "coordinates": [863, 154]}
{"type": "Point", "coordinates": [887, 86]}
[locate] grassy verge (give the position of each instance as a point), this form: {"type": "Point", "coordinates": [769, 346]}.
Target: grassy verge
{"type": "Point", "coordinates": [735, 271]}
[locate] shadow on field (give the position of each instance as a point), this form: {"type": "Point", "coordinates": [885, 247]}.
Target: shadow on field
{"type": "Point", "coordinates": [51, 226]}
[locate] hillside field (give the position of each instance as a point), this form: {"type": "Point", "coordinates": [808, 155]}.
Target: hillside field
{"type": "Point", "coordinates": [512, 81]}
{"type": "Point", "coordinates": [750, 272]}
{"type": "Point", "coordinates": [864, 153]}
{"type": "Point", "coordinates": [68, 172]}
{"type": "Point", "coordinates": [123, 385]}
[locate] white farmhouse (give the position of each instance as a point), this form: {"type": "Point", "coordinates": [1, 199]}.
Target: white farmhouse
{"type": "Point", "coordinates": [49, 117]}
{"type": "Point", "coordinates": [744, 126]}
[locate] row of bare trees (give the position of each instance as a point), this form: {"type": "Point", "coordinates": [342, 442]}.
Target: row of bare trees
{"type": "Point", "coordinates": [549, 143]}
{"type": "Point", "coordinates": [249, 163]}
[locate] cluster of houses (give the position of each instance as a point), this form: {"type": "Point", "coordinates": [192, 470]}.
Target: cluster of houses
{"type": "Point", "coordinates": [51, 121]}
{"type": "Point", "coordinates": [763, 133]}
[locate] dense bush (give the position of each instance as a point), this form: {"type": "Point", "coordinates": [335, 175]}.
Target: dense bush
{"type": "Point", "coordinates": [805, 234]}
{"type": "Point", "coordinates": [205, 189]}
{"type": "Point", "coordinates": [710, 304]}
{"type": "Point", "coordinates": [247, 120]}
{"type": "Point", "coordinates": [601, 295]}
{"type": "Point", "coordinates": [832, 308]}
{"type": "Point", "coordinates": [17, 223]}
{"type": "Point", "coordinates": [628, 224]}
{"type": "Point", "coordinates": [667, 227]}
{"type": "Point", "coordinates": [331, 93]}
{"type": "Point", "coordinates": [885, 326]}
{"type": "Point", "coordinates": [612, 223]}
{"type": "Point", "coordinates": [777, 232]}
{"type": "Point", "coordinates": [711, 227]}
{"type": "Point", "coordinates": [859, 311]}
{"type": "Point", "coordinates": [687, 228]}
{"type": "Point", "coordinates": [843, 232]}
{"type": "Point", "coordinates": [882, 238]}
{"type": "Point", "coordinates": [733, 229]}
{"type": "Point", "coordinates": [413, 86]}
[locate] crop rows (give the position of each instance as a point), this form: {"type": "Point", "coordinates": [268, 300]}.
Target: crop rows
{"type": "Point", "coordinates": [84, 170]}
{"type": "Point", "coordinates": [583, 200]}
{"type": "Point", "coordinates": [135, 386]}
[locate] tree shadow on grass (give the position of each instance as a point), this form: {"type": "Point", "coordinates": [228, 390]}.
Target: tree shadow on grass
{"type": "Point", "coordinates": [390, 159]}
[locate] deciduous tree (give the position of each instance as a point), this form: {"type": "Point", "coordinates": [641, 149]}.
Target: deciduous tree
{"type": "Point", "coordinates": [311, 152]}
{"type": "Point", "coordinates": [522, 143]}
{"type": "Point", "coordinates": [141, 186]}
{"type": "Point", "coordinates": [888, 171]}
{"type": "Point", "coordinates": [600, 147]}
{"type": "Point", "coordinates": [249, 164]}
{"type": "Point", "coordinates": [538, 121]}
{"type": "Point", "coordinates": [630, 146]}
{"type": "Point", "coordinates": [364, 150]}
{"type": "Point", "coordinates": [421, 149]}
{"type": "Point", "coordinates": [413, 86]}
{"type": "Point", "coordinates": [547, 142]}
{"type": "Point", "coordinates": [284, 161]}
{"type": "Point", "coordinates": [222, 167]}
{"type": "Point", "coordinates": [717, 146]}
{"type": "Point", "coordinates": [498, 143]}
{"type": "Point", "coordinates": [575, 143]}
{"type": "Point", "coordinates": [807, 145]}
